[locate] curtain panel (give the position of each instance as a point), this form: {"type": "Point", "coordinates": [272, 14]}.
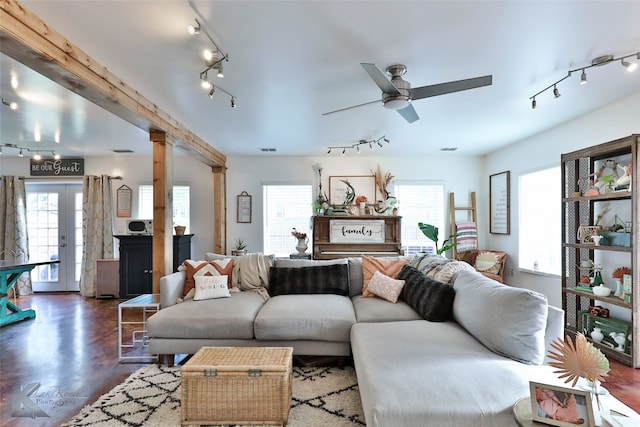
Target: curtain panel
{"type": "Point", "coordinates": [14, 243]}
{"type": "Point", "coordinates": [97, 229]}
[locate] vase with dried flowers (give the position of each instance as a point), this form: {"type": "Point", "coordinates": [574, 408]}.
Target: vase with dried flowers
{"type": "Point", "coordinates": [583, 364]}
{"type": "Point", "coordinates": [303, 241]}
{"type": "Point", "coordinates": [382, 182]}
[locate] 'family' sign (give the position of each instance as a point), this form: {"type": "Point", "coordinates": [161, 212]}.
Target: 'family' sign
{"type": "Point", "coordinates": [60, 167]}
{"type": "Point", "coordinates": [350, 231]}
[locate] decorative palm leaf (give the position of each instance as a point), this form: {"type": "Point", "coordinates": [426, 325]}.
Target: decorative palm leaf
{"type": "Point", "coordinates": [577, 360]}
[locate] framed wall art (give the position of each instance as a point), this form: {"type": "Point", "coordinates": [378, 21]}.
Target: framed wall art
{"type": "Point", "coordinates": [123, 203]}
{"type": "Point", "coordinates": [499, 203]}
{"type": "Point", "coordinates": [362, 186]}
{"type": "Point", "coordinates": [244, 208]}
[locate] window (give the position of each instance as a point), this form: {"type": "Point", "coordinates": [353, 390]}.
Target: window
{"type": "Point", "coordinates": [420, 201]}
{"type": "Point", "coordinates": [181, 204]}
{"type": "Point", "coordinates": [540, 221]}
{"type": "Point", "coordinates": [286, 206]}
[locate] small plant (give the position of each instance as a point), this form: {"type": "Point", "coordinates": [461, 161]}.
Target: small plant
{"type": "Point", "coordinates": [240, 245]}
{"type": "Point", "coordinates": [431, 231]}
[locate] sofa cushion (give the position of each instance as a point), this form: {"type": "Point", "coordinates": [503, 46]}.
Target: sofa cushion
{"type": "Point", "coordinates": [439, 268]}
{"type": "Point", "coordinates": [294, 263]}
{"type": "Point", "coordinates": [431, 299]}
{"type": "Point", "coordinates": [220, 318]}
{"type": "Point", "coordinates": [208, 287]}
{"type": "Point", "coordinates": [509, 321]}
{"type": "Point", "coordinates": [322, 317]}
{"type": "Point", "coordinates": [389, 266]}
{"type": "Point", "coordinates": [420, 373]}
{"type": "Point", "coordinates": [355, 276]}
{"type": "Point", "coordinates": [379, 310]}
{"type": "Point", "coordinates": [385, 287]}
{"type": "Point", "coordinates": [319, 279]}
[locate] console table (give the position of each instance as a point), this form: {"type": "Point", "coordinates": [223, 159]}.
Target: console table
{"type": "Point", "coordinates": [345, 236]}
{"type": "Point", "coordinates": [10, 271]}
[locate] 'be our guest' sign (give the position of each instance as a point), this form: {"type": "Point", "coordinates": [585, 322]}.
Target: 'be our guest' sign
{"type": "Point", "coordinates": [352, 231]}
{"type": "Point", "coordinates": [60, 167]}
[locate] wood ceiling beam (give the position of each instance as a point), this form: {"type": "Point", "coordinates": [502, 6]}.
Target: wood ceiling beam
{"type": "Point", "coordinates": [29, 40]}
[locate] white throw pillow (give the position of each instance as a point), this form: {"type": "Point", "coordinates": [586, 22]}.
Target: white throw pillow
{"type": "Point", "coordinates": [209, 287]}
{"type": "Point", "coordinates": [385, 287]}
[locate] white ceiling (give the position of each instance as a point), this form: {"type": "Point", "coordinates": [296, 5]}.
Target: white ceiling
{"type": "Point", "coordinates": [291, 61]}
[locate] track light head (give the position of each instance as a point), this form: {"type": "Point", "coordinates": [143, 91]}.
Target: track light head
{"type": "Point", "coordinates": [534, 104]}
{"type": "Point", "coordinates": [212, 91]}
{"type": "Point", "coordinates": [209, 55]}
{"type": "Point", "coordinates": [386, 139]}
{"type": "Point", "coordinates": [21, 154]}
{"type": "Point", "coordinates": [233, 102]}
{"type": "Point", "coordinates": [556, 92]}
{"type": "Point", "coordinates": [630, 66]}
{"type": "Point", "coordinates": [583, 78]}
{"type": "Point", "coordinates": [193, 29]}
{"type": "Point", "coordinates": [344, 151]}
{"type": "Point", "coordinates": [379, 143]}
{"type": "Point", "coordinates": [358, 148]}
{"type": "Point", "coordinates": [220, 71]}
{"type": "Point", "coordinates": [55, 155]}
{"type": "Point", "coordinates": [11, 104]}
{"type": "Point", "coordinates": [329, 151]}
{"type": "Point", "coordinates": [37, 156]}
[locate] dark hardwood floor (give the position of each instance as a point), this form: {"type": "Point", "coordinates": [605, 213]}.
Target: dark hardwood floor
{"type": "Point", "coordinates": [70, 349]}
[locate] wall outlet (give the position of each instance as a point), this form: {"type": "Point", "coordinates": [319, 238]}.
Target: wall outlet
{"type": "Point", "coordinates": [510, 271]}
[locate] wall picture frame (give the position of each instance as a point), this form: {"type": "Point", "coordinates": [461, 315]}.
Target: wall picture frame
{"type": "Point", "coordinates": [244, 208]}
{"type": "Point", "coordinates": [362, 185]}
{"type": "Point", "coordinates": [500, 203]}
{"type": "Point", "coordinates": [123, 201]}
{"type": "Point", "coordinates": [561, 406]}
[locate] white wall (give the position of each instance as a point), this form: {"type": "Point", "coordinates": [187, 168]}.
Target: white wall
{"type": "Point", "coordinates": [138, 170]}
{"type": "Point", "coordinates": [460, 175]}
{"type": "Point", "coordinates": [543, 150]}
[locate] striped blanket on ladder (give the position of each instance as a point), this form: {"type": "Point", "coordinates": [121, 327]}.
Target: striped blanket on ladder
{"type": "Point", "coordinates": [466, 236]}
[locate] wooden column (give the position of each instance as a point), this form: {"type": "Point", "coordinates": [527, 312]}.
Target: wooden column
{"type": "Point", "coordinates": [219, 209]}
{"type": "Point", "coordinates": [162, 206]}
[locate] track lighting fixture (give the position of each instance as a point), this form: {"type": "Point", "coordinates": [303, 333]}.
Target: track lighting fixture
{"type": "Point", "coordinates": [213, 60]}
{"type": "Point", "coordinates": [596, 62]}
{"type": "Point", "coordinates": [370, 142]}
{"type": "Point", "coordinates": [37, 151]}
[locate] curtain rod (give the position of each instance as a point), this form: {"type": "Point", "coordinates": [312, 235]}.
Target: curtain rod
{"type": "Point", "coordinates": [62, 177]}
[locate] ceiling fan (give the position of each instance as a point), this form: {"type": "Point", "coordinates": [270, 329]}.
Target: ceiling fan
{"type": "Point", "coordinates": [397, 94]}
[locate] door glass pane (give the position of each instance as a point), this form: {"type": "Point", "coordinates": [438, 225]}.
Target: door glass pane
{"type": "Point", "coordinates": [43, 233]}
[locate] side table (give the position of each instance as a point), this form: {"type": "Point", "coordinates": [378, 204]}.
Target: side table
{"type": "Point", "coordinates": [149, 303]}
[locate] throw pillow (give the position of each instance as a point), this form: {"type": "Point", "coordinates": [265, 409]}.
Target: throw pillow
{"type": "Point", "coordinates": [509, 321]}
{"type": "Point", "coordinates": [431, 299]}
{"type": "Point", "coordinates": [488, 262]}
{"type": "Point", "coordinates": [385, 287]}
{"type": "Point", "coordinates": [387, 266]}
{"type": "Point", "coordinates": [193, 268]}
{"type": "Point", "coordinates": [319, 279]}
{"type": "Point", "coordinates": [209, 287]}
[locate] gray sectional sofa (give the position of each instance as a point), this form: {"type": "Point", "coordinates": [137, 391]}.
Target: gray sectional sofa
{"type": "Point", "coordinates": [465, 371]}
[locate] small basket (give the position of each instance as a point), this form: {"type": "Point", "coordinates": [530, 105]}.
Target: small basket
{"type": "Point", "coordinates": [585, 232]}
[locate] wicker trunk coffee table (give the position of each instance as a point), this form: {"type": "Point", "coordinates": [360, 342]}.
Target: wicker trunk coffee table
{"type": "Point", "coordinates": [237, 385]}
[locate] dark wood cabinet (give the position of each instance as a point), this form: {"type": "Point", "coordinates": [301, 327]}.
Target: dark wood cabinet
{"type": "Point", "coordinates": [345, 236]}
{"type": "Point", "coordinates": [136, 262]}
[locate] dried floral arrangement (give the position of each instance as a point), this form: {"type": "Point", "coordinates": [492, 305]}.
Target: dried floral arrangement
{"type": "Point", "coordinates": [606, 208]}
{"type": "Point", "coordinates": [581, 359]}
{"type": "Point", "coordinates": [361, 199]}
{"type": "Point", "coordinates": [620, 271]}
{"type": "Point", "coordinates": [382, 181]}
{"type": "Point", "coordinates": [297, 234]}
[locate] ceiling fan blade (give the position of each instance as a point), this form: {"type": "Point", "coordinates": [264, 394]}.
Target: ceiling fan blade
{"type": "Point", "coordinates": [408, 113]}
{"type": "Point", "coordinates": [349, 108]}
{"type": "Point", "coordinates": [455, 86]}
{"type": "Point", "coordinates": [380, 79]}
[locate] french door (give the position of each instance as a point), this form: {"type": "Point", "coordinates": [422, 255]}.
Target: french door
{"type": "Point", "coordinates": [54, 228]}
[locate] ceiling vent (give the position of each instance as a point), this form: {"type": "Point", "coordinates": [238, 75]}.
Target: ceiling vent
{"type": "Point", "coordinates": [122, 151]}
{"type": "Point", "coordinates": [268, 150]}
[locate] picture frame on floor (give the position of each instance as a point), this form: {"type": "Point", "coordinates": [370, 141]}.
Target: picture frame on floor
{"type": "Point", "coordinates": [561, 406]}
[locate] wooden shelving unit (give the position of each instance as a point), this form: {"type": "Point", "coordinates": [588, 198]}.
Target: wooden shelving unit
{"type": "Point", "coordinates": [582, 210]}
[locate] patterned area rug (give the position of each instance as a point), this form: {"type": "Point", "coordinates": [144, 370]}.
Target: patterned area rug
{"type": "Point", "coordinates": [322, 397]}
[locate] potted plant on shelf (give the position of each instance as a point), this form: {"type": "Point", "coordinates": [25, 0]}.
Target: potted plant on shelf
{"type": "Point", "coordinates": [431, 231]}
{"type": "Point", "coordinates": [240, 247]}
{"type": "Point", "coordinates": [180, 229]}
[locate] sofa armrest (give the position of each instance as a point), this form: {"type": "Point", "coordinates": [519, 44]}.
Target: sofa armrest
{"type": "Point", "coordinates": [554, 329]}
{"type": "Point", "coordinates": [171, 288]}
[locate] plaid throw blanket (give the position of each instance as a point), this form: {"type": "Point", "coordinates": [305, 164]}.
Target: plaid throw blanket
{"type": "Point", "coordinates": [466, 236]}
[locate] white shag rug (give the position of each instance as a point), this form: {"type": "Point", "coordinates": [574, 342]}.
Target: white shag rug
{"type": "Point", "coordinates": [322, 397]}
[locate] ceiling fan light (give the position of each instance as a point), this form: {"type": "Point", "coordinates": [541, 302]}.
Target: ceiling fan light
{"type": "Point", "coordinates": [396, 103]}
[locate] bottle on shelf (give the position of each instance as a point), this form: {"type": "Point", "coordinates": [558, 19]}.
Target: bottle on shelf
{"type": "Point", "coordinates": [597, 278]}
